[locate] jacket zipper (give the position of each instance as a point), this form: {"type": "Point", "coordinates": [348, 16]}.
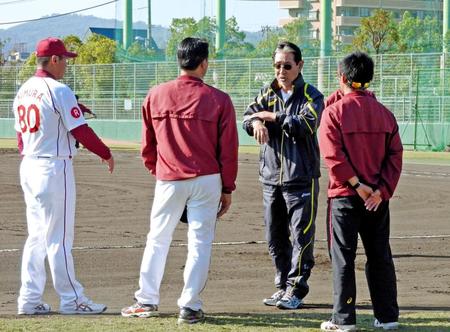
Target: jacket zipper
{"type": "Point", "coordinates": [281, 159]}
{"type": "Point", "coordinates": [282, 140]}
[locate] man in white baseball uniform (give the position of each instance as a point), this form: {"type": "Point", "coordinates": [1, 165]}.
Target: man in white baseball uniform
{"type": "Point", "coordinates": [48, 121]}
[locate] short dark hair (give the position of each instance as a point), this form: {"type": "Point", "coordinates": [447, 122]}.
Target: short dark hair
{"type": "Point", "coordinates": [191, 52]}
{"type": "Point", "coordinates": [357, 67]}
{"type": "Point", "coordinates": [288, 47]}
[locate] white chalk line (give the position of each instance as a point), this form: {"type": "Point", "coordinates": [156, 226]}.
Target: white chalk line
{"type": "Point", "coordinates": [232, 243]}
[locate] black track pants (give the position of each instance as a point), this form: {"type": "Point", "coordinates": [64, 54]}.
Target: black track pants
{"type": "Point", "coordinates": [346, 218]}
{"type": "Point", "coordinates": [289, 215]}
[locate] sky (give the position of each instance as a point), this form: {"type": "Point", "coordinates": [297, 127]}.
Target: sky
{"type": "Point", "coordinates": [251, 15]}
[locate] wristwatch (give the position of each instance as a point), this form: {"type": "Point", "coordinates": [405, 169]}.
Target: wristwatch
{"type": "Point", "coordinates": [356, 185]}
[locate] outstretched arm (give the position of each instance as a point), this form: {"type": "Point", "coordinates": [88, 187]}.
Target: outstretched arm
{"type": "Point", "coordinates": [86, 136]}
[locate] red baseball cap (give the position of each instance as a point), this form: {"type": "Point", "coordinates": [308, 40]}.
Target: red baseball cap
{"type": "Point", "coordinates": [53, 46]}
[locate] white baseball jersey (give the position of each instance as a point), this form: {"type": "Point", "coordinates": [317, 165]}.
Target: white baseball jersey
{"type": "Point", "coordinates": [45, 112]}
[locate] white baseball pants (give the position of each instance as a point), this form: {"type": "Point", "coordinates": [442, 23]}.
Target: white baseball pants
{"type": "Point", "coordinates": [202, 197]}
{"type": "Point", "coordinates": [49, 190]}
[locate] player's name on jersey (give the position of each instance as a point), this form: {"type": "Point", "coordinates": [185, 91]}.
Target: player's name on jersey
{"type": "Point", "coordinates": [33, 93]}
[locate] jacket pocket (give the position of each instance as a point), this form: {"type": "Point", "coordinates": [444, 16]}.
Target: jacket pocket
{"type": "Point", "coordinates": [262, 162]}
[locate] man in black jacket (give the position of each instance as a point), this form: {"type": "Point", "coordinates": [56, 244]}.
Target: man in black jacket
{"type": "Point", "coordinates": [284, 118]}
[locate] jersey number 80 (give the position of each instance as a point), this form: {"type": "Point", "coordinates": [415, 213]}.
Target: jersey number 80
{"type": "Point", "coordinates": [29, 118]}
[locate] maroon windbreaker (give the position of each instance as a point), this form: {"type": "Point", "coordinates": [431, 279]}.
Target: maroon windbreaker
{"type": "Point", "coordinates": [359, 136]}
{"type": "Point", "coordinates": [189, 130]}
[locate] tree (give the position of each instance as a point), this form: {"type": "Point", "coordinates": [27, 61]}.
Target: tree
{"type": "Point", "coordinates": [377, 33]}
{"type": "Point", "coordinates": [418, 36]}
{"type": "Point", "coordinates": [180, 28]}
{"type": "Point", "coordinates": [140, 52]}
{"type": "Point", "coordinates": [270, 38]}
{"type": "Point", "coordinates": [235, 44]}
{"type": "Point", "coordinates": [31, 60]}
{"type": "Point", "coordinates": [297, 32]}
{"type": "Point", "coordinates": [96, 50]}
{"type": "Point", "coordinates": [206, 28]}
{"type": "Point", "coordinates": [2, 45]}
{"type": "Point", "coordinates": [72, 43]}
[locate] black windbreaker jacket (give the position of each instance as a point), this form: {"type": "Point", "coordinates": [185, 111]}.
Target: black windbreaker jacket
{"type": "Point", "coordinates": [291, 156]}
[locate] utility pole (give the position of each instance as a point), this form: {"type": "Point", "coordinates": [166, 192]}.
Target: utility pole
{"type": "Point", "coordinates": [128, 24]}
{"type": "Point", "coordinates": [220, 34]}
{"type": "Point", "coordinates": [325, 28]}
{"type": "Point", "coordinates": [149, 23]}
{"type": "Point", "coordinates": [445, 25]}
{"type": "Point", "coordinates": [325, 41]}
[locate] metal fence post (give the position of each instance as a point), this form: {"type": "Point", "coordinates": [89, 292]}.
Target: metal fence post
{"type": "Point", "coordinates": [114, 91]}
{"type": "Point", "coordinates": [225, 74]}
{"type": "Point", "coordinates": [403, 109]}
{"type": "Point", "coordinates": [416, 115]}
{"type": "Point", "coordinates": [134, 92]}
{"type": "Point", "coordinates": [381, 76]}
{"type": "Point", "coordinates": [249, 79]}
{"type": "Point", "coordinates": [93, 85]}
{"type": "Point", "coordinates": [329, 75]}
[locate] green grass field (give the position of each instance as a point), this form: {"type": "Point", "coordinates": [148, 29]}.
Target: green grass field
{"type": "Point", "coordinates": [298, 321]}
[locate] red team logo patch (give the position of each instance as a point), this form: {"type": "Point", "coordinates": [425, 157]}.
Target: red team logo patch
{"type": "Point", "coordinates": [76, 113]}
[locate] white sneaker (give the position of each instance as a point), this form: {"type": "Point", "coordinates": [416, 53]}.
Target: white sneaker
{"type": "Point", "coordinates": [277, 296]}
{"type": "Point", "coordinates": [40, 309]}
{"type": "Point", "coordinates": [140, 310]}
{"type": "Point", "coordinates": [385, 326]}
{"type": "Point", "coordinates": [85, 308]}
{"type": "Point", "coordinates": [330, 326]}
{"type": "Point", "coordinates": [289, 301]}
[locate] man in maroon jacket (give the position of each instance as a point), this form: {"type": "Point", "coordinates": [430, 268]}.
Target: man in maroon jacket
{"type": "Point", "coordinates": [361, 146]}
{"type": "Point", "coordinates": [190, 144]}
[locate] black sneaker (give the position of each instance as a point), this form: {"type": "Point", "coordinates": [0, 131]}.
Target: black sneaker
{"type": "Point", "coordinates": [189, 316]}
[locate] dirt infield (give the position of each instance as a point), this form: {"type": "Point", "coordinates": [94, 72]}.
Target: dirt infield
{"type": "Point", "coordinates": [112, 223]}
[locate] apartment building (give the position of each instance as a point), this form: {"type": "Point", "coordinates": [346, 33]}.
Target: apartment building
{"type": "Point", "coordinates": [347, 14]}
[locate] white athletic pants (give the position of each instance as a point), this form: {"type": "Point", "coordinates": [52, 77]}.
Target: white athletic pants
{"type": "Point", "coordinates": [202, 197]}
{"type": "Point", "coordinates": [49, 190]}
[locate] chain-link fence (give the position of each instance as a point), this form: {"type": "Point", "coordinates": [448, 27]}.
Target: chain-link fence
{"type": "Point", "coordinates": [415, 87]}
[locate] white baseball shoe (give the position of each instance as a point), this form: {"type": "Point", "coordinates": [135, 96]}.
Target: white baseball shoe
{"type": "Point", "coordinates": [330, 326]}
{"type": "Point", "coordinates": [277, 296]}
{"type": "Point", "coordinates": [85, 308]}
{"type": "Point", "coordinates": [40, 309]}
{"type": "Point", "coordinates": [140, 310]}
{"type": "Point", "coordinates": [385, 326]}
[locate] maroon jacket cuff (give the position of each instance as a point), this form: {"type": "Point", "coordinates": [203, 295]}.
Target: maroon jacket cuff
{"type": "Point", "coordinates": [385, 195]}
{"type": "Point", "coordinates": [86, 136]}
{"type": "Point", "coordinates": [19, 142]}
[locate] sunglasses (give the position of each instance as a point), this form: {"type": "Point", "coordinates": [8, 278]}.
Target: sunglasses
{"type": "Point", "coordinates": [285, 66]}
